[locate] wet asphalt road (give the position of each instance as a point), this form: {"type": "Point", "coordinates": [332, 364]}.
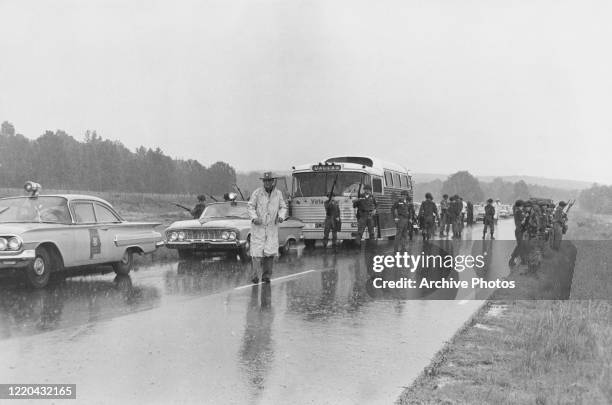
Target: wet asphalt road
{"type": "Point", "coordinates": [198, 332]}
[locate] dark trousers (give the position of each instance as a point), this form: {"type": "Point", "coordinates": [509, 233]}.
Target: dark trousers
{"type": "Point", "coordinates": [444, 223]}
{"type": "Point", "coordinates": [366, 219]}
{"type": "Point", "coordinates": [404, 229]}
{"type": "Point", "coordinates": [491, 224]}
{"type": "Point", "coordinates": [428, 227]}
{"type": "Point", "coordinates": [330, 225]}
{"type": "Point", "coordinates": [519, 250]}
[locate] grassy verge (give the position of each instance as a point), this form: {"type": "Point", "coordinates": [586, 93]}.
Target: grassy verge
{"type": "Point", "coordinates": [516, 350]}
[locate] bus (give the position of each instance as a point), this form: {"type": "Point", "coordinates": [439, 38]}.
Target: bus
{"type": "Point", "coordinates": [312, 183]}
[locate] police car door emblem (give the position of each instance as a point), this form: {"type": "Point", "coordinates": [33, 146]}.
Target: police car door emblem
{"type": "Point", "coordinates": [94, 243]}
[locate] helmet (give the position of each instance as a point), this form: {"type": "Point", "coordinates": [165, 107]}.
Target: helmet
{"type": "Point", "coordinates": [201, 197]}
{"type": "Point", "coordinates": [562, 203]}
{"type": "Point", "coordinates": [428, 196]}
{"type": "Point", "coordinates": [490, 200]}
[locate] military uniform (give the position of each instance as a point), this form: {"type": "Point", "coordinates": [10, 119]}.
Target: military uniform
{"type": "Point", "coordinates": [197, 211]}
{"type": "Point", "coordinates": [519, 250]}
{"type": "Point", "coordinates": [559, 225]}
{"type": "Point", "coordinates": [332, 221]}
{"type": "Point", "coordinates": [365, 216]}
{"type": "Point", "coordinates": [403, 213]}
{"type": "Point", "coordinates": [489, 220]}
{"type": "Point", "coordinates": [444, 217]}
{"type": "Point", "coordinates": [455, 215]}
{"type": "Point", "coordinates": [427, 215]}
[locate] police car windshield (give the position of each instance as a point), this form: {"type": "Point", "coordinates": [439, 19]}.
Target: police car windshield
{"type": "Point", "coordinates": [318, 184]}
{"type": "Point", "coordinates": [227, 209]}
{"type": "Point", "coordinates": [34, 209]}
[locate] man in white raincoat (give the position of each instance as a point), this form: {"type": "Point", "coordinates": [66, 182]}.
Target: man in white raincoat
{"type": "Point", "coordinates": [267, 210]}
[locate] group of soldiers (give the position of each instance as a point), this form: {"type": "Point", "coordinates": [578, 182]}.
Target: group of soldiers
{"type": "Point", "coordinates": [537, 221]}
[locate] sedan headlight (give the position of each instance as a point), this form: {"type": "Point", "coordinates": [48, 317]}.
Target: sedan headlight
{"type": "Point", "coordinates": [14, 243]}
{"type": "Point", "coordinates": [225, 235]}
{"type": "Point", "coordinates": [181, 236]}
{"type": "Point", "coordinates": [232, 235]}
{"type": "Point", "coordinates": [3, 244]}
{"type": "Point", "coordinates": [173, 236]}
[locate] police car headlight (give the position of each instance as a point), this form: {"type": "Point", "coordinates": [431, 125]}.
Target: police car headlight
{"type": "Point", "coordinates": [225, 235]}
{"type": "Point", "coordinates": [232, 235]}
{"type": "Point", "coordinates": [14, 243]}
{"type": "Point", "coordinates": [181, 235]}
{"type": "Point", "coordinates": [173, 236]}
{"type": "Point", "coordinates": [3, 244]}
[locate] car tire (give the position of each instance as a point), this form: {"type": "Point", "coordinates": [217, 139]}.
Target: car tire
{"type": "Point", "coordinates": [38, 273]}
{"type": "Point", "coordinates": [185, 253]}
{"type": "Point", "coordinates": [287, 247]}
{"type": "Point", "coordinates": [124, 266]}
{"type": "Point", "coordinates": [245, 251]}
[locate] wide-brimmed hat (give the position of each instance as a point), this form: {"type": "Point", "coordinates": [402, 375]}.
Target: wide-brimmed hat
{"type": "Point", "coordinates": [268, 176]}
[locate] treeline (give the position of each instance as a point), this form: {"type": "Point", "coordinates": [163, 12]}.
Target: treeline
{"type": "Point", "coordinates": [471, 189]}
{"type": "Point", "coordinates": [57, 160]}
{"type": "Point", "coordinates": [597, 199]}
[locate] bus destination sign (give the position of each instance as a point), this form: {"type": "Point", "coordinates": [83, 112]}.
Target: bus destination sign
{"type": "Point", "coordinates": [326, 168]}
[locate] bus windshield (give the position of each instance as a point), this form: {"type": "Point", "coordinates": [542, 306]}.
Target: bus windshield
{"type": "Point", "coordinates": [317, 184]}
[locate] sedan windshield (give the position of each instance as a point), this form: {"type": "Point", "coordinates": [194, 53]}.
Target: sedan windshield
{"type": "Point", "coordinates": [227, 209]}
{"type": "Point", "coordinates": [34, 209]}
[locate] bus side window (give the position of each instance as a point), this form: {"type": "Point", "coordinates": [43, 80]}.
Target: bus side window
{"type": "Point", "coordinates": [377, 185]}
{"type": "Point", "coordinates": [388, 179]}
{"type": "Point", "coordinates": [404, 180]}
{"type": "Point", "coordinates": [396, 180]}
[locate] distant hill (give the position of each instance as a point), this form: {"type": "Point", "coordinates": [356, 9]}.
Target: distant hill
{"type": "Point", "coordinates": [563, 184]}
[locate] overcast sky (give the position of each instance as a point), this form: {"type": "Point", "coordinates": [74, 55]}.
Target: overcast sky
{"type": "Point", "coordinates": [493, 87]}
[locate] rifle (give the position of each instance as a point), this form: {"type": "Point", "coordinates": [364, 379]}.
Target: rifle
{"type": "Point", "coordinates": [570, 204]}
{"type": "Point", "coordinates": [355, 204]}
{"type": "Point", "coordinates": [213, 198]}
{"type": "Point", "coordinates": [182, 206]}
{"type": "Point", "coordinates": [331, 193]}
{"type": "Point", "coordinates": [238, 188]}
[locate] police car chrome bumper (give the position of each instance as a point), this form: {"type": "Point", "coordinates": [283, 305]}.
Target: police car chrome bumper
{"type": "Point", "coordinates": [12, 261]}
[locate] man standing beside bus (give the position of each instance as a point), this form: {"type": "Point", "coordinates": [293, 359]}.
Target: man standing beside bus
{"type": "Point", "coordinates": [427, 216]}
{"type": "Point", "coordinates": [366, 208]}
{"type": "Point", "coordinates": [403, 213]}
{"type": "Point", "coordinates": [267, 210]}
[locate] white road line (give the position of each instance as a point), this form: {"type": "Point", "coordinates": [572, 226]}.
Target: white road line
{"type": "Point", "coordinates": [278, 278]}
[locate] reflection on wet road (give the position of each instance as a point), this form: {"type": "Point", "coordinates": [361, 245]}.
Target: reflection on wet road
{"type": "Point", "coordinates": [197, 332]}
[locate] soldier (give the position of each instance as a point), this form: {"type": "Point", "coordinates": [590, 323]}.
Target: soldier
{"type": "Point", "coordinates": [427, 216]}
{"type": "Point", "coordinates": [489, 219]}
{"type": "Point", "coordinates": [366, 208]}
{"type": "Point", "coordinates": [455, 215]}
{"type": "Point", "coordinates": [267, 209]}
{"type": "Point", "coordinates": [559, 224]}
{"type": "Point", "coordinates": [332, 220]}
{"type": "Point", "coordinates": [497, 207]}
{"type": "Point", "coordinates": [463, 215]}
{"type": "Point", "coordinates": [518, 251]}
{"type": "Point", "coordinates": [197, 211]}
{"type": "Point", "coordinates": [444, 219]}
{"type": "Point", "coordinates": [470, 213]}
{"type": "Point", "coordinates": [403, 213]}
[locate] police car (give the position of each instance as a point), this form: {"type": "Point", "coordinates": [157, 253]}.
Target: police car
{"type": "Point", "coordinates": [44, 234]}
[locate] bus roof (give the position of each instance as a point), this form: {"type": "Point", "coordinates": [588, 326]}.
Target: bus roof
{"type": "Point", "coordinates": [357, 162]}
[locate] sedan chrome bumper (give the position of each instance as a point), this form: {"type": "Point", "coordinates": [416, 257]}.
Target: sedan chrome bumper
{"type": "Point", "coordinates": [12, 261]}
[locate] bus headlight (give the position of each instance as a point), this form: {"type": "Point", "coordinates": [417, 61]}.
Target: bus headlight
{"type": "Point", "coordinates": [3, 244]}
{"type": "Point", "coordinates": [181, 236]}
{"type": "Point", "coordinates": [14, 243]}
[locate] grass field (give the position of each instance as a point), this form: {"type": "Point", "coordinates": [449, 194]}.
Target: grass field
{"type": "Point", "coordinates": [525, 351]}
